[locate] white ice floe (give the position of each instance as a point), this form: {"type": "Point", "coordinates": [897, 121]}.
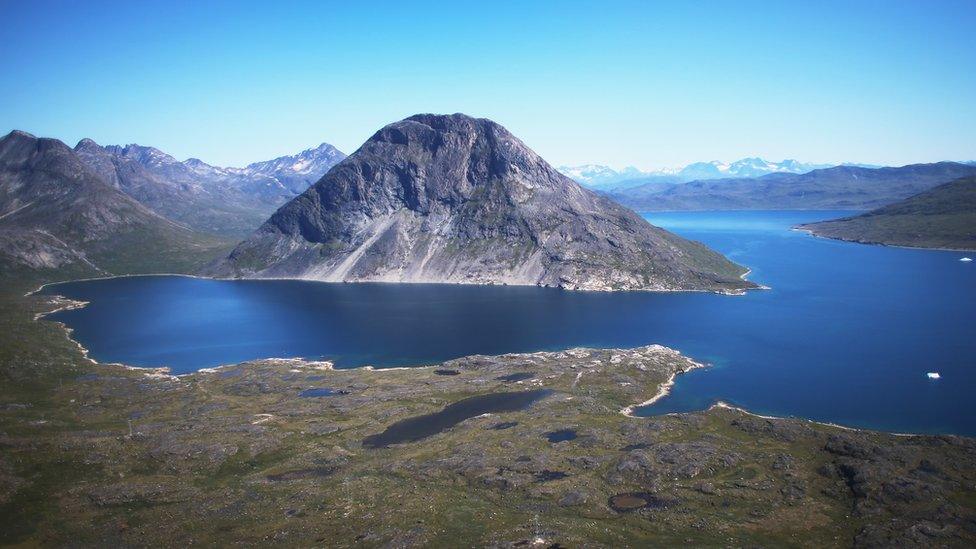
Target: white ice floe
{"type": "Point", "coordinates": [933, 375]}
{"type": "Point", "coordinates": [966, 259]}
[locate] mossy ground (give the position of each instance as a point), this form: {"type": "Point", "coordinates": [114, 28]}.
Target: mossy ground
{"type": "Point", "coordinates": [102, 454]}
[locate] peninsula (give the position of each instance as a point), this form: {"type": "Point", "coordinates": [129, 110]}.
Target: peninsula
{"type": "Point", "coordinates": [943, 217]}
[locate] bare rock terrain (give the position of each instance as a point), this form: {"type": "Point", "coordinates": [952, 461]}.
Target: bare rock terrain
{"type": "Point", "coordinates": [450, 198]}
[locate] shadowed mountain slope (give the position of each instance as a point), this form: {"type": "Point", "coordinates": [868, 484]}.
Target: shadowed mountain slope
{"type": "Point", "coordinates": [57, 215]}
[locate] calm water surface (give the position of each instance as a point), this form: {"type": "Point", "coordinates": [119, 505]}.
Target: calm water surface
{"type": "Point", "coordinates": [846, 334]}
{"type": "Point", "coordinates": [420, 427]}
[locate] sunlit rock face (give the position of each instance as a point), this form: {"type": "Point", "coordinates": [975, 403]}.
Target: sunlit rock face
{"type": "Point", "coordinates": [450, 198]}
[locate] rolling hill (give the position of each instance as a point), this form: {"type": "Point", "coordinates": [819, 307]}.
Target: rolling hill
{"type": "Point", "coordinates": [943, 217]}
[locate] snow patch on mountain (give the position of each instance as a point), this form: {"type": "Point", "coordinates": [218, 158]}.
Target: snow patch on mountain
{"type": "Point", "coordinates": [598, 175]}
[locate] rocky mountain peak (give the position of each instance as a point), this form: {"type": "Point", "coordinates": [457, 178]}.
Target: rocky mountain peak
{"type": "Point", "coordinates": [452, 198]}
{"type": "Point", "coordinates": [19, 134]}
{"type": "Point", "coordinates": [24, 149]}
{"type": "Point", "coordinates": [57, 211]}
{"type": "Point", "coordinates": [144, 155]}
{"type": "Point", "coordinates": [87, 144]}
{"type": "Point", "coordinates": [196, 163]}
{"type": "Point", "coordinates": [323, 148]}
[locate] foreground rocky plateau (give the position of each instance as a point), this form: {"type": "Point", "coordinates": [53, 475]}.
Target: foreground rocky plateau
{"type": "Point", "coordinates": [106, 454]}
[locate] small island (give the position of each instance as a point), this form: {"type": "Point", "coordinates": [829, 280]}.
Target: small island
{"type": "Point", "coordinates": [943, 217]}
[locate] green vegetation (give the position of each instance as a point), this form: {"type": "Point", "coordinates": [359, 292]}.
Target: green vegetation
{"type": "Point", "coordinates": [96, 454]}
{"type": "Point", "coordinates": [944, 217]}
{"type": "Point", "coordinates": [138, 252]}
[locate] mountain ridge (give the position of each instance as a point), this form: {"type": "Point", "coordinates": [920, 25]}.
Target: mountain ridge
{"type": "Point", "coordinates": [838, 188]}
{"type": "Point", "coordinates": [223, 201]}
{"type": "Point", "coordinates": [58, 215]}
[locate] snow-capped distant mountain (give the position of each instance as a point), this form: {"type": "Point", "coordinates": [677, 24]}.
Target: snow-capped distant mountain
{"type": "Point", "coordinates": [300, 171]}
{"type": "Point", "coordinates": [597, 175]}
{"type": "Point", "coordinates": [747, 167]}
{"type": "Point", "coordinates": [606, 178]}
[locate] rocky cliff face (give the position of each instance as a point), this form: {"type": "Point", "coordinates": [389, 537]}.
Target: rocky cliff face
{"type": "Point", "coordinates": [438, 198]}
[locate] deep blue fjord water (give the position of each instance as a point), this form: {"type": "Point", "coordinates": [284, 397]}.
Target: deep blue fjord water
{"type": "Point", "coordinates": [846, 334]}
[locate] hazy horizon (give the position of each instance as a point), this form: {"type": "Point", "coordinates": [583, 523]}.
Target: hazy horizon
{"type": "Point", "coordinates": [626, 84]}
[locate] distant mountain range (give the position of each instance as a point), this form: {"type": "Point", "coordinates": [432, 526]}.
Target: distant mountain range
{"type": "Point", "coordinates": [942, 217]}
{"type": "Point", "coordinates": [222, 201]}
{"type": "Point", "coordinates": [121, 209]}
{"type": "Point", "coordinates": [606, 178]}
{"type": "Point", "coordinates": [58, 215]}
{"type": "Point", "coordinates": [450, 198]}
{"type": "Point", "coordinates": [96, 210]}
{"type": "Point", "coordinates": [839, 187]}
{"type": "Point", "coordinates": [599, 176]}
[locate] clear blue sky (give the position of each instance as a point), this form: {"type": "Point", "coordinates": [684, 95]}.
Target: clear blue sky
{"type": "Point", "coordinates": [642, 83]}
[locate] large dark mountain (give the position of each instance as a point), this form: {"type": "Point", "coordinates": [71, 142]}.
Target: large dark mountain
{"type": "Point", "coordinates": [943, 217]}
{"type": "Point", "coordinates": [840, 187]}
{"type": "Point", "coordinates": [222, 201]}
{"type": "Point", "coordinates": [56, 214]}
{"type": "Point", "coordinates": [438, 198]}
